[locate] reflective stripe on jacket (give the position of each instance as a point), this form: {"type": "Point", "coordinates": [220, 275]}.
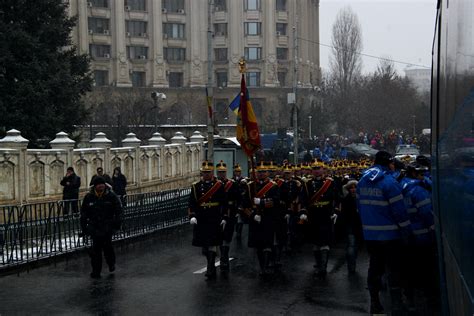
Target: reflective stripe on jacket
{"type": "Point", "coordinates": [381, 205]}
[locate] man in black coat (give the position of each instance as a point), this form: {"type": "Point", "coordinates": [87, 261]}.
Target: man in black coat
{"type": "Point", "coordinates": [101, 216]}
{"type": "Point", "coordinates": [71, 183]}
{"type": "Point", "coordinates": [208, 213]}
{"type": "Point", "coordinates": [100, 173]}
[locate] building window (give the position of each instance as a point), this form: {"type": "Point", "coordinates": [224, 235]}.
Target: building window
{"type": "Point", "coordinates": [253, 28]}
{"type": "Point", "coordinates": [253, 53]}
{"type": "Point", "coordinates": [138, 79]}
{"type": "Point", "coordinates": [221, 78]}
{"type": "Point", "coordinates": [220, 29]}
{"type": "Point", "coordinates": [281, 28]}
{"type": "Point", "coordinates": [175, 79]}
{"type": "Point", "coordinates": [281, 5]}
{"type": "Point", "coordinates": [220, 54]}
{"type": "Point", "coordinates": [252, 5]}
{"type": "Point", "coordinates": [101, 78]}
{"type": "Point", "coordinates": [136, 5]}
{"type": "Point", "coordinates": [98, 25]}
{"type": "Point", "coordinates": [174, 54]}
{"type": "Point", "coordinates": [99, 3]}
{"type": "Point", "coordinates": [282, 78]}
{"type": "Point", "coordinates": [282, 53]}
{"type": "Point", "coordinates": [173, 30]}
{"type": "Point", "coordinates": [220, 5]}
{"type": "Point", "coordinates": [253, 79]}
{"type": "Point", "coordinates": [137, 52]}
{"type": "Point", "coordinates": [173, 5]}
{"type": "Point", "coordinates": [136, 28]}
{"type": "Point", "coordinates": [99, 51]}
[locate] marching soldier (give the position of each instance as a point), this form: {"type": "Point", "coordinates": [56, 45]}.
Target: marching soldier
{"type": "Point", "coordinates": [208, 213]}
{"type": "Point", "coordinates": [262, 208]}
{"type": "Point", "coordinates": [319, 196]}
{"type": "Point", "coordinates": [237, 178]}
{"type": "Point", "coordinates": [233, 196]}
{"type": "Point", "coordinates": [290, 192]}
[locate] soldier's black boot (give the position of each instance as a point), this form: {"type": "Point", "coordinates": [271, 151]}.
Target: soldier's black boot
{"type": "Point", "coordinates": [211, 265]}
{"type": "Point", "coordinates": [266, 262]}
{"type": "Point", "coordinates": [317, 260]}
{"type": "Point", "coordinates": [238, 230]}
{"type": "Point", "coordinates": [324, 263]}
{"type": "Point", "coordinates": [278, 251]}
{"type": "Point", "coordinates": [261, 261]}
{"type": "Point", "coordinates": [375, 305]}
{"type": "Point", "coordinates": [224, 258]}
{"type": "Point", "coordinates": [397, 302]}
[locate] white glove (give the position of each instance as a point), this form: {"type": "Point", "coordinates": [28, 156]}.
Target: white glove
{"type": "Point", "coordinates": [287, 216]}
{"type": "Point", "coordinates": [257, 218]}
{"type": "Point", "coordinates": [303, 217]}
{"type": "Point", "coordinates": [334, 218]}
{"type": "Point", "coordinates": [256, 201]}
{"type": "Point", "coordinates": [223, 222]}
{"type": "Point", "coordinates": [193, 221]}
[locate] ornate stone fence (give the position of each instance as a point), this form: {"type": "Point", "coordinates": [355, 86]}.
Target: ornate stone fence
{"type": "Point", "coordinates": [34, 175]}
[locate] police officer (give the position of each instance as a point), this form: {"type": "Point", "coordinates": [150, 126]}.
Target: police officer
{"type": "Point", "coordinates": [385, 222]}
{"type": "Point", "coordinates": [208, 213]}
{"type": "Point", "coordinates": [319, 198]}
{"type": "Point", "coordinates": [101, 216]}
{"type": "Point", "coordinates": [262, 206]}
{"type": "Point", "coordinates": [233, 197]}
{"type": "Point", "coordinates": [420, 261]}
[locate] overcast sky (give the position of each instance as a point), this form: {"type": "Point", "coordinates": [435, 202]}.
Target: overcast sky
{"type": "Point", "coordinates": [401, 29]}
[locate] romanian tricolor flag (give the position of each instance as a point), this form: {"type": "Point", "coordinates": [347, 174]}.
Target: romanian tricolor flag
{"type": "Point", "coordinates": [209, 104]}
{"type": "Point", "coordinates": [247, 128]}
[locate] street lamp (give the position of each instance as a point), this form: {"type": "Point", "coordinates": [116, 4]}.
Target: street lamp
{"type": "Point", "coordinates": [156, 96]}
{"type": "Point", "coordinates": [310, 118]}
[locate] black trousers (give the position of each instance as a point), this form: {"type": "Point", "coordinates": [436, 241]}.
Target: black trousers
{"type": "Point", "coordinates": [385, 256]}
{"type": "Point", "coordinates": [99, 245]}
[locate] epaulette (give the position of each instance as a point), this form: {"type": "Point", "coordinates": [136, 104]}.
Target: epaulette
{"type": "Point", "coordinates": [194, 183]}
{"type": "Point", "coordinates": [329, 178]}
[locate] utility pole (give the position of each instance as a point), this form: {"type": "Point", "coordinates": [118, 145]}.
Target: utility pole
{"type": "Point", "coordinates": [210, 120]}
{"type": "Point", "coordinates": [295, 86]}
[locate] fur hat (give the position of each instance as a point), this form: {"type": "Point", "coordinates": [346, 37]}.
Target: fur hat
{"type": "Point", "coordinates": [345, 188]}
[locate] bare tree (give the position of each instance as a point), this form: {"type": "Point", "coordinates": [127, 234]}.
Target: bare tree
{"type": "Point", "coordinates": [386, 69]}
{"type": "Point", "coordinates": [345, 61]}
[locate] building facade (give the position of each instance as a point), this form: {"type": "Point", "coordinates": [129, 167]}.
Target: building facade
{"type": "Point", "coordinates": [163, 44]}
{"type": "Point", "coordinates": [420, 77]}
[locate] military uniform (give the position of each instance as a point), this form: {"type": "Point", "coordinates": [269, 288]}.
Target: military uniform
{"type": "Point", "coordinates": [208, 214]}
{"type": "Point", "coordinates": [319, 197]}
{"type": "Point", "coordinates": [232, 191]}
{"type": "Point", "coordinates": [262, 208]}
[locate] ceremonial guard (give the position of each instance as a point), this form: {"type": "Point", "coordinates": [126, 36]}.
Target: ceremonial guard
{"type": "Point", "coordinates": [241, 185]}
{"type": "Point", "coordinates": [290, 192]}
{"type": "Point", "coordinates": [319, 197]}
{"type": "Point", "coordinates": [233, 197]}
{"type": "Point", "coordinates": [262, 208]}
{"type": "Point", "coordinates": [208, 213]}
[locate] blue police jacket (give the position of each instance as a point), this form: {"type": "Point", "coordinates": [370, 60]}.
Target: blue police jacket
{"type": "Point", "coordinates": [419, 209]}
{"type": "Point", "coordinates": [381, 205]}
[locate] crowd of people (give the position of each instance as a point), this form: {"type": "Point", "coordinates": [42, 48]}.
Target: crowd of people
{"type": "Point", "coordinates": [383, 203]}
{"type": "Point", "coordinates": [330, 145]}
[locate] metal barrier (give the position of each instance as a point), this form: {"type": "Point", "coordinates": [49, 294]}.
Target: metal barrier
{"type": "Point", "coordinates": [30, 232]}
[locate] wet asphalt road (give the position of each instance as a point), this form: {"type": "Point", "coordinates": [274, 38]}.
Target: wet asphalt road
{"type": "Point", "coordinates": [156, 276]}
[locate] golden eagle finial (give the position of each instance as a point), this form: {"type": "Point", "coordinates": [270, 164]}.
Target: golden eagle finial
{"type": "Point", "coordinates": [242, 65]}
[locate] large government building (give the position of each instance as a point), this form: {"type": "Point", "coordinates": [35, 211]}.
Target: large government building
{"type": "Point", "coordinates": [162, 45]}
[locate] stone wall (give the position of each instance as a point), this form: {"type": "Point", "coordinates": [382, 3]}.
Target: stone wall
{"type": "Point", "coordinates": [34, 175]}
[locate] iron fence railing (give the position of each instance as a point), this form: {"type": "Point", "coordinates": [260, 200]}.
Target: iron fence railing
{"type": "Point", "coordinates": [30, 232]}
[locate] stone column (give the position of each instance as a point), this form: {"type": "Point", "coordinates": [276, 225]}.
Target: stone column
{"type": "Point", "coordinates": [197, 137]}
{"type": "Point", "coordinates": [132, 141]}
{"type": "Point", "coordinates": [119, 51]}
{"type": "Point", "coordinates": [101, 141]}
{"type": "Point", "coordinates": [270, 77]}
{"type": "Point", "coordinates": [198, 39]}
{"type": "Point", "coordinates": [157, 140]}
{"type": "Point", "coordinates": [236, 45]}
{"type": "Point", "coordinates": [179, 138]}
{"type": "Point", "coordinates": [155, 28]}
{"type": "Point", "coordinates": [15, 141]}
{"type": "Point", "coordinates": [62, 141]}
{"type": "Point", "coordinates": [82, 27]}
